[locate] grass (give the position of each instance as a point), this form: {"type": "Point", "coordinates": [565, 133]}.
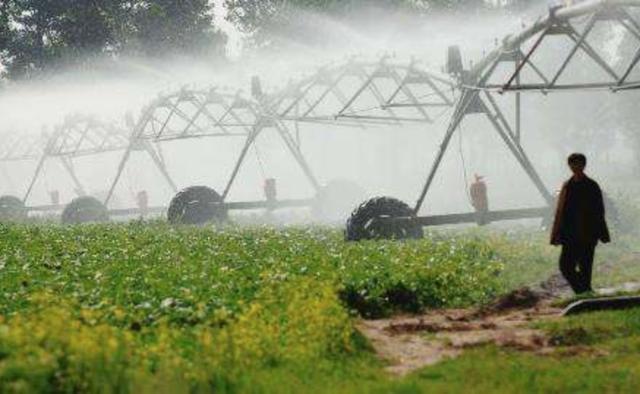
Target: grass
{"type": "Point", "coordinates": [146, 307]}
{"type": "Point", "coordinates": [490, 370]}
{"type": "Point", "coordinates": [595, 353]}
{"type": "Point", "coordinates": [531, 260]}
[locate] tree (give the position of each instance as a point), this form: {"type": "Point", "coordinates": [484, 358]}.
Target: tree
{"type": "Point", "coordinates": [268, 19]}
{"type": "Point", "coordinates": [39, 36]}
{"type": "Point", "coordinates": [175, 26]}
{"type": "Point", "coordinates": [4, 25]}
{"type": "Point", "coordinates": [47, 34]}
{"type": "Point", "coordinates": [259, 16]}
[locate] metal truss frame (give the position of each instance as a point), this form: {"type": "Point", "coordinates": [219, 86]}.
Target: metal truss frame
{"type": "Point", "coordinates": [325, 98]}
{"type": "Point", "coordinates": [350, 95]}
{"type": "Point", "coordinates": [617, 13]}
{"type": "Point", "coordinates": [19, 148]}
{"type": "Point", "coordinates": [82, 135]}
{"type": "Point", "coordinates": [478, 93]}
{"type": "Point", "coordinates": [191, 113]}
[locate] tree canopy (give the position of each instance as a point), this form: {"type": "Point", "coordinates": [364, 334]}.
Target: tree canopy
{"type": "Point", "coordinates": [37, 36]}
{"type": "Point", "coordinates": [174, 26]}
{"type": "Point", "coordinates": [264, 19]}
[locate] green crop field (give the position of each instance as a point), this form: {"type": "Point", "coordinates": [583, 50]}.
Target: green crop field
{"type": "Point", "coordinates": [146, 307]}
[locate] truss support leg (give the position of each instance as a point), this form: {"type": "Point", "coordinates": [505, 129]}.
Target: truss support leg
{"type": "Point", "coordinates": [121, 166]}
{"type": "Point", "coordinates": [68, 166]}
{"type": "Point", "coordinates": [518, 153]}
{"type": "Point", "coordinates": [296, 124]}
{"type": "Point", "coordinates": [468, 96]}
{"type": "Point", "coordinates": [297, 154]}
{"type": "Point", "coordinates": [39, 167]}
{"type": "Point", "coordinates": [161, 154]}
{"type": "Point", "coordinates": [298, 140]}
{"type": "Point", "coordinates": [159, 162]}
{"type": "Point", "coordinates": [243, 154]}
{"type": "Point", "coordinates": [518, 104]}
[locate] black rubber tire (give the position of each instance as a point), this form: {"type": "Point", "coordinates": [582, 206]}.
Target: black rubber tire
{"type": "Point", "coordinates": [12, 209]}
{"type": "Point", "coordinates": [361, 226]}
{"type": "Point", "coordinates": [194, 205]}
{"type": "Point", "coordinates": [335, 201]}
{"type": "Point", "coordinates": [85, 209]}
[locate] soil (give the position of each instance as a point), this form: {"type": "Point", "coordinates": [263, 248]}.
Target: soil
{"type": "Point", "coordinates": [408, 343]}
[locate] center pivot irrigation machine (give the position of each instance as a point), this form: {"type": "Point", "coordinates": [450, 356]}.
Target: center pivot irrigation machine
{"type": "Point", "coordinates": [511, 69]}
{"type": "Point", "coordinates": [77, 136]}
{"type": "Point", "coordinates": [195, 114]}
{"type": "Point", "coordinates": [14, 149]}
{"type": "Point", "coordinates": [356, 94]}
{"type": "Point", "coordinates": [382, 93]}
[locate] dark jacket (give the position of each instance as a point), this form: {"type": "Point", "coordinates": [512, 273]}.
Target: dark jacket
{"type": "Point", "coordinates": [580, 215]}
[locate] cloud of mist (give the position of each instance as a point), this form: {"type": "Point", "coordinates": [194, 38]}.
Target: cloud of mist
{"type": "Point", "coordinates": [389, 160]}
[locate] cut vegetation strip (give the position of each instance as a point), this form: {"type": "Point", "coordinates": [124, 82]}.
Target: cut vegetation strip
{"type": "Point", "coordinates": [602, 304]}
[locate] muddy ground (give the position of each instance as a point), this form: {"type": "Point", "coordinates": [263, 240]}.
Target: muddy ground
{"type": "Point", "coordinates": [408, 343]}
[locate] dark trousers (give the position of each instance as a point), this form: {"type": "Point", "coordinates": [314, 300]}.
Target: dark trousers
{"type": "Point", "coordinates": [576, 264]}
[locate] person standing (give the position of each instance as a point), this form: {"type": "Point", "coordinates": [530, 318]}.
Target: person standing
{"type": "Point", "coordinates": [579, 224]}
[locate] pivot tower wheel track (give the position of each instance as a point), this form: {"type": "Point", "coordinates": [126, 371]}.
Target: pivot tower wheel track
{"type": "Point", "coordinates": [85, 209]}
{"type": "Point", "coordinates": [364, 222]}
{"type": "Point", "coordinates": [196, 205]}
{"type": "Point", "coordinates": [12, 209]}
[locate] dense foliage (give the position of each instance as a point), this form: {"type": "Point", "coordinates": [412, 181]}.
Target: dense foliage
{"type": "Point", "coordinates": [148, 307]}
{"type": "Point", "coordinates": [270, 22]}
{"type": "Point", "coordinates": [41, 36]}
{"type": "Point", "coordinates": [37, 36]}
{"type": "Point", "coordinates": [60, 345]}
{"type": "Point", "coordinates": [138, 267]}
{"type": "Point", "coordinates": [142, 306]}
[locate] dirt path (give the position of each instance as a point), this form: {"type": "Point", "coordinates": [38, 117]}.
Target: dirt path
{"type": "Point", "coordinates": [412, 342]}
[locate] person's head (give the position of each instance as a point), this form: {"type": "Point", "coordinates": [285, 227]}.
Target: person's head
{"type": "Point", "coordinates": [577, 163]}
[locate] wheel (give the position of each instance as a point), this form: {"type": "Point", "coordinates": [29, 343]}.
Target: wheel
{"type": "Point", "coordinates": [196, 205]}
{"type": "Point", "coordinates": [336, 200]}
{"type": "Point", "coordinates": [85, 209]}
{"type": "Point", "coordinates": [12, 209]}
{"type": "Point", "coordinates": [361, 225]}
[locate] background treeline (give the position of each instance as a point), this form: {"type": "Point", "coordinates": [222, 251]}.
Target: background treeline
{"type": "Point", "coordinates": [37, 36]}
{"type": "Point", "coordinates": [41, 36]}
